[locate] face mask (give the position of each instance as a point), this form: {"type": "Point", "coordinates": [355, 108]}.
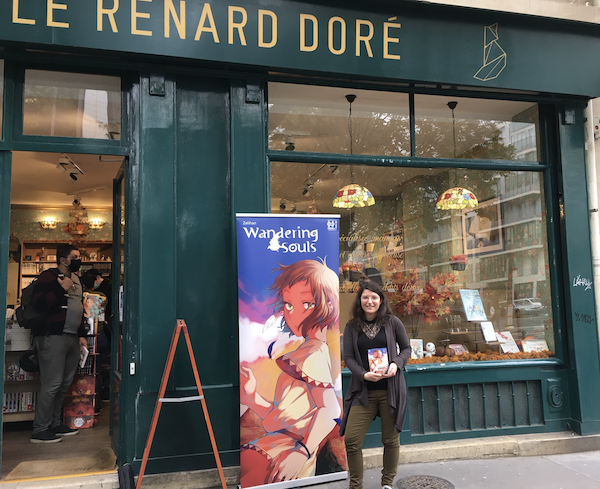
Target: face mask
{"type": "Point", "coordinates": [96, 285]}
{"type": "Point", "coordinates": [75, 265]}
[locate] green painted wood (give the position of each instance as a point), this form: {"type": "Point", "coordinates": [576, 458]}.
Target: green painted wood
{"type": "Point", "coordinates": [581, 326]}
{"type": "Point", "coordinates": [5, 173]}
{"type": "Point", "coordinates": [429, 43]}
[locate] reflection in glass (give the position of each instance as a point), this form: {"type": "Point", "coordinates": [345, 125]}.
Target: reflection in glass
{"type": "Point", "coordinates": [450, 127]}
{"type": "Point", "coordinates": [1, 95]}
{"type": "Point", "coordinates": [316, 119]}
{"type": "Point", "coordinates": [495, 253]}
{"type": "Point", "coordinates": [72, 105]}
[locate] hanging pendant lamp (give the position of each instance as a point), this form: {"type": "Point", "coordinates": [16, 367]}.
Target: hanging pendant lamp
{"type": "Point", "coordinates": [456, 197]}
{"type": "Point", "coordinates": [352, 195]}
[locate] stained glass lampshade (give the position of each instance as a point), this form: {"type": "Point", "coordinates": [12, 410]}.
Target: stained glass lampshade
{"type": "Point", "coordinates": [457, 198]}
{"type": "Point", "coordinates": [353, 195]}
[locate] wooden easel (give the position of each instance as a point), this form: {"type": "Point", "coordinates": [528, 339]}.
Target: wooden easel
{"type": "Point", "coordinates": [161, 393]}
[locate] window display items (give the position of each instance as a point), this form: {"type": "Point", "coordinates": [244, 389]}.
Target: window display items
{"type": "Point", "coordinates": [429, 349]}
{"type": "Point", "coordinates": [472, 305]}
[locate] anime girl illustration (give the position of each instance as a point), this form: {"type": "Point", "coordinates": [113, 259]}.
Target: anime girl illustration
{"type": "Point", "coordinates": [305, 406]}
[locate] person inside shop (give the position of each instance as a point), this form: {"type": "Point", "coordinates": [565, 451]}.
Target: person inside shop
{"type": "Point", "coordinates": [58, 340]}
{"type": "Point", "coordinates": [371, 394]}
{"type": "Point", "coordinates": [93, 281]}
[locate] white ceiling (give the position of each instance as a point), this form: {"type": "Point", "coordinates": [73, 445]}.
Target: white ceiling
{"type": "Point", "coordinates": [39, 180]}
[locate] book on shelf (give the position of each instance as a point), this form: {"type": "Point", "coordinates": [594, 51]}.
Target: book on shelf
{"type": "Point", "coordinates": [487, 330]}
{"type": "Point", "coordinates": [472, 305]}
{"type": "Point", "coordinates": [459, 349]}
{"type": "Point", "coordinates": [507, 342]}
{"type": "Point", "coordinates": [534, 345]}
{"type": "Point", "coordinates": [416, 348]}
{"type": "Point", "coordinates": [378, 360]}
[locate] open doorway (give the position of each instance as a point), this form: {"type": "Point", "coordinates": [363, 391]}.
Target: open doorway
{"type": "Point", "coordinates": [63, 198]}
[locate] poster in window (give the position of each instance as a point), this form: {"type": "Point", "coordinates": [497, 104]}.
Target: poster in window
{"type": "Point", "coordinates": [482, 228]}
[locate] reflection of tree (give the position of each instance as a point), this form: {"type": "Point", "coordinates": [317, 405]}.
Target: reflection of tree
{"type": "Point", "coordinates": [475, 139]}
{"type": "Point", "coordinates": [381, 134]}
{"type": "Point", "coordinates": [416, 299]}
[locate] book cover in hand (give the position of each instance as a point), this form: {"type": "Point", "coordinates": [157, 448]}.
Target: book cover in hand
{"type": "Point", "coordinates": [487, 329]}
{"type": "Point", "coordinates": [378, 360]}
{"type": "Point", "coordinates": [508, 344]}
{"type": "Point", "coordinates": [472, 305]}
{"type": "Point", "coordinates": [416, 347]}
{"type": "Point", "coordinates": [83, 355]}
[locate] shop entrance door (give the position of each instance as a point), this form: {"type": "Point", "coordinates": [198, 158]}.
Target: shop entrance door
{"type": "Point", "coordinates": [118, 324]}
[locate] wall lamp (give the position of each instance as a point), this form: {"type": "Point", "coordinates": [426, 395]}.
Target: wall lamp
{"type": "Point", "coordinates": [95, 223]}
{"type": "Point", "coordinates": [48, 223]}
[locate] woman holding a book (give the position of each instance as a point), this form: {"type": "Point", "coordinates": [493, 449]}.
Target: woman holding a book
{"type": "Point", "coordinates": [374, 333]}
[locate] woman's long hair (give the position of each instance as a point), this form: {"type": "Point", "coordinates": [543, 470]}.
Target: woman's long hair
{"type": "Point", "coordinates": [357, 312]}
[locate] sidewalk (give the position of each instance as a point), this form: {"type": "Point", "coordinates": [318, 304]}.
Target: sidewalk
{"type": "Point", "coordinates": [549, 461]}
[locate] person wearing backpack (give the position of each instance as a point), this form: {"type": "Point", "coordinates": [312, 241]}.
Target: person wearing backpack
{"type": "Point", "coordinates": [58, 340]}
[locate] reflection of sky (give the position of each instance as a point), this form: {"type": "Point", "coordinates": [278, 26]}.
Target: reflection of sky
{"type": "Point", "coordinates": [257, 265]}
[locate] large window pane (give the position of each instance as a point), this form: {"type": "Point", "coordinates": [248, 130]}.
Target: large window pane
{"type": "Point", "coordinates": [72, 105]}
{"type": "Point", "coordinates": [433, 264]}
{"type": "Point", "coordinates": [476, 128]}
{"type": "Point", "coordinates": [317, 119]}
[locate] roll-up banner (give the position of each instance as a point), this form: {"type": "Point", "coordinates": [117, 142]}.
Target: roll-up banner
{"type": "Point", "coordinates": [290, 371]}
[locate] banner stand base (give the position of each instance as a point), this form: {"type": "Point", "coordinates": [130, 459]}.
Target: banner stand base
{"type": "Point", "coordinates": [307, 481]}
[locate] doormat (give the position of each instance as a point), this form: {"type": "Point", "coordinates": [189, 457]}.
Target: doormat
{"type": "Point", "coordinates": [100, 461]}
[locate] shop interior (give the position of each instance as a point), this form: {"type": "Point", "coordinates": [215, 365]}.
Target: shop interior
{"type": "Point", "coordinates": [59, 198]}
{"type": "Point", "coordinates": [464, 280]}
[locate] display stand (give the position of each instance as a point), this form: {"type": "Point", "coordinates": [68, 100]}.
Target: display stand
{"type": "Point", "coordinates": [200, 397]}
{"type": "Point", "coordinates": [80, 401]}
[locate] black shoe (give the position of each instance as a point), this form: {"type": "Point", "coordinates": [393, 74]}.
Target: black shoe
{"type": "Point", "coordinates": [45, 437]}
{"type": "Point", "coordinates": [62, 430]}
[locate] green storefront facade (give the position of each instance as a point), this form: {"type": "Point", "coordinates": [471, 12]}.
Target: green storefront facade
{"type": "Point", "coordinates": [194, 135]}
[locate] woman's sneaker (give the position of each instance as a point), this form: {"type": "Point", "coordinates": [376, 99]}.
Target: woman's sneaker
{"type": "Point", "coordinates": [62, 430]}
{"type": "Point", "coordinates": [45, 437]}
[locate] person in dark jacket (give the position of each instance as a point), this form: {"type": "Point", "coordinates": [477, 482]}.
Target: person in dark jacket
{"type": "Point", "coordinates": [58, 341]}
{"type": "Point", "coordinates": [373, 327]}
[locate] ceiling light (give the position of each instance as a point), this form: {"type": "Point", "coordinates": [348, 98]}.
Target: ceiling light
{"type": "Point", "coordinates": [457, 198]}
{"type": "Point", "coordinates": [352, 195]}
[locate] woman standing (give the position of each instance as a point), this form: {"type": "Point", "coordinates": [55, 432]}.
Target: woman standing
{"type": "Point", "coordinates": [373, 327]}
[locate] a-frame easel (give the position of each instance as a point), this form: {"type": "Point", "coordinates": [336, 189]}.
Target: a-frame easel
{"type": "Point", "coordinates": [161, 398]}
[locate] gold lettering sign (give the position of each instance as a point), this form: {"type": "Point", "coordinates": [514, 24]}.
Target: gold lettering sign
{"type": "Point", "coordinates": [207, 15]}
{"type": "Point", "coordinates": [109, 12]}
{"type": "Point", "coordinates": [135, 15]}
{"type": "Point", "coordinates": [179, 20]}
{"type": "Point", "coordinates": [261, 32]}
{"type": "Point", "coordinates": [50, 14]}
{"type": "Point", "coordinates": [15, 15]}
{"type": "Point", "coordinates": [266, 22]}
{"type": "Point", "coordinates": [237, 25]}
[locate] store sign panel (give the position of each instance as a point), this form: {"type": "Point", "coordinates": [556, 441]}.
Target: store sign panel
{"type": "Point", "coordinates": [415, 42]}
{"type": "Point", "coordinates": [290, 368]}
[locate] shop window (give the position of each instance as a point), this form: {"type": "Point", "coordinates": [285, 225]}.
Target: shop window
{"type": "Point", "coordinates": [1, 95]}
{"type": "Point", "coordinates": [316, 119]}
{"type": "Point", "coordinates": [470, 128]}
{"type": "Point", "coordinates": [474, 282]}
{"type": "Point", "coordinates": [72, 105]}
